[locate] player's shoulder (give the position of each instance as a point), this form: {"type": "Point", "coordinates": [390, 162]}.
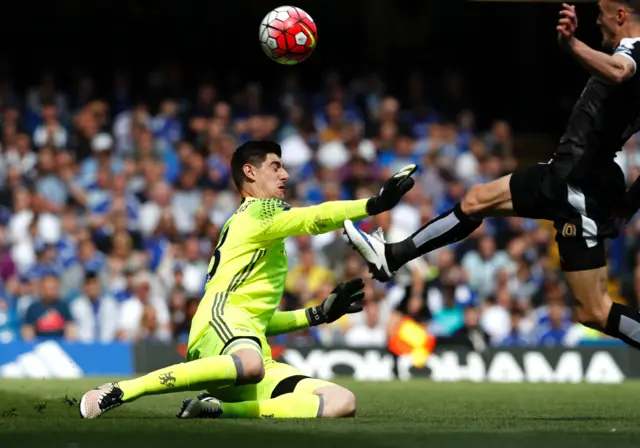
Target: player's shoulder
{"type": "Point", "coordinates": [628, 45]}
{"type": "Point", "coordinates": [262, 208]}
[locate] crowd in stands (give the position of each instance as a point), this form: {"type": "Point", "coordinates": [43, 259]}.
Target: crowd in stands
{"type": "Point", "coordinates": [110, 206]}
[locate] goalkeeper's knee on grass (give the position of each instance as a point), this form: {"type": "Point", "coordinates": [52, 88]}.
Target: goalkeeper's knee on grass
{"type": "Point", "coordinates": [339, 402]}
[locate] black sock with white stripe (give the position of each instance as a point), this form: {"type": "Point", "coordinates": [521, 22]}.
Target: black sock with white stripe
{"type": "Point", "coordinates": [624, 323]}
{"type": "Point", "coordinates": [450, 227]}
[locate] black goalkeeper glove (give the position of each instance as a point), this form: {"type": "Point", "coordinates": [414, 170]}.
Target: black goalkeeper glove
{"type": "Point", "coordinates": [346, 298]}
{"type": "Point", "coordinates": [392, 191]}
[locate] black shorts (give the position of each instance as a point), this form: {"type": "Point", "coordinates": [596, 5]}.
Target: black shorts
{"type": "Point", "coordinates": [581, 211]}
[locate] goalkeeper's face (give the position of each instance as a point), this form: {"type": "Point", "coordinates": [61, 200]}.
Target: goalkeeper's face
{"type": "Point", "coordinates": [270, 178]}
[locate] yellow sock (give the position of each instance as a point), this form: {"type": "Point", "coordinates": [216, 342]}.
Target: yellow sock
{"type": "Point", "coordinates": [180, 377]}
{"type": "Point", "coordinates": [290, 405]}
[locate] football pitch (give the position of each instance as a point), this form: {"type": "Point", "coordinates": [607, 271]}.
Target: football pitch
{"type": "Point", "coordinates": [41, 413]}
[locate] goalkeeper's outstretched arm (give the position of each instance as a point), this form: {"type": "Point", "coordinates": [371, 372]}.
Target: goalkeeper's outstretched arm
{"type": "Point", "coordinates": [346, 298]}
{"type": "Point", "coordinates": [279, 220]}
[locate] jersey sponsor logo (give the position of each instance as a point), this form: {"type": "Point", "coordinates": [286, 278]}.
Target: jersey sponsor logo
{"type": "Point", "coordinates": [569, 230]}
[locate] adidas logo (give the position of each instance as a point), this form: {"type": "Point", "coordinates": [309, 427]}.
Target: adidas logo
{"type": "Point", "coordinates": [45, 360]}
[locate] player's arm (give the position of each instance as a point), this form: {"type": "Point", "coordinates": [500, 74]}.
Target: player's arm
{"type": "Point", "coordinates": [346, 298]}
{"type": "Point", "coordinates": [279, 220]}
{"type": "Point", "coordinates": [615, 68]}
{"type": "Point", "coordinates": [284, 322]}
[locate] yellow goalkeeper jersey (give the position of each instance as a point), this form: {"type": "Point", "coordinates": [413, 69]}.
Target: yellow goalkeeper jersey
{"type": "Point", "coordinates": [248, 267]}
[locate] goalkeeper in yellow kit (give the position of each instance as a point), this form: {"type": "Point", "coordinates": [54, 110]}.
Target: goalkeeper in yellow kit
{"type": "Point", "coordinates": [228, 354]}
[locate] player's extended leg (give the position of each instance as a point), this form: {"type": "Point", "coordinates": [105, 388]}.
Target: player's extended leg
{"type": "Point", "coordinates": [284, 393]}
{"type": "Point", "coordinates": [483, 200]}
{"type": "Point", "coordinates": [328, 401]}
{"type": "Point", "coordinates": [241, 363]}
{"type": "Point", "coordinates": [596, 309]}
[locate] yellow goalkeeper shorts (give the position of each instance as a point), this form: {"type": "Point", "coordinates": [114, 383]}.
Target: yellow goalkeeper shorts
{"type": "Point", "coordinates": [226, 334]}
{"type": "Point", "coordinates": [279, 379]}
{"type": "Point", "coordinates": [218, 334]}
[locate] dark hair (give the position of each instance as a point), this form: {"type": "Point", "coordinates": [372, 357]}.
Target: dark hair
{"type": "Point", "coordinates": [254, 152]}
{"type": "Point", "coordinates": [91, 275]}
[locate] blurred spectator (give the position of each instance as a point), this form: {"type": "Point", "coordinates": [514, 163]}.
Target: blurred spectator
{"type": "Point", "coordinates": [553, 332]}
{"type": "Point", "coordinates": [483, 264]}
{"type": "Point", "coordinates": [448, 318]}
{"type": "Point", "coordinates": [95, 313]}
{"type": "Point", "coordinates": [520, 331]}
{"type": "Point", "coordinates": [50, 132]}
{"type": "Point", "coordinates": [471, 334]}
{"type": "Point", "coordinates": [496, 320]}
{"type": "Point", "coordinates": [371, 333]}
{"type": "Point", "coordinates": [305, 279]}
{"type": "Point", "coordinates": [49, 317]}
{"type": "Point", "coordinates": [144, 316]}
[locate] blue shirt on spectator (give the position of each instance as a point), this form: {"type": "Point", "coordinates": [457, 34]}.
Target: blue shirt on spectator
{"type": "Point", "coordinates": [552, 337]}
{"type": "Point", "coordinates": [395, 162]}
{"type": "Point", "coordinates": [167, 130]}
{"type": "Point", "coordinates": [517, 339]}
{"type": "Point", "coordinates": [39, 270]}
{"type": "Point", "coordinates": [48, 319]}
{"type": "Point", "coordinates": [53, 190]}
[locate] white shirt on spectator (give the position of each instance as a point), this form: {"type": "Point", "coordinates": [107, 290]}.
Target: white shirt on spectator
{"type": "Point", "coordinates": [41, 136]}
{"type": "Point", "coordinates": [406, 218]}
{"type": "Point", "coordinates": [19, 226]}
{"type": "Point", "coordinates": [295, 152]}
{"type": "Point", "coordinates": [25, 162]}
{"type": "Point", "coordinates": [95, 327]}
{"type": "Point", "coordinates": [131, 314]}
{"type": "Point", "coordinates": [194, 277]}
{"type": "Point", "coordinates": [467, 167]}
{"type": "Point", "coordinates": [334, 154]}
{"type": "Point", "coordinates": [149, 218]}
{"type": "Point", "coordinates": [184, 204]}
{"type": "Point", "coordinates": [496, 322]}
{"type": "Point", "coordinates": [362, 335]}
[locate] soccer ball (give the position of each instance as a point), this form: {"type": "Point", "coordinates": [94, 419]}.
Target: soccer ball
{"type": "Point", "coordinates": [288, 35]}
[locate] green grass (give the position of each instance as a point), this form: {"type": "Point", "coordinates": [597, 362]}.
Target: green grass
{"type": "Point", "coordinates": [417, 413]}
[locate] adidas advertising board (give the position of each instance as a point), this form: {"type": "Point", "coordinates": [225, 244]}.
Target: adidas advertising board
{"type": "Point", "coordinates": [52, 359]}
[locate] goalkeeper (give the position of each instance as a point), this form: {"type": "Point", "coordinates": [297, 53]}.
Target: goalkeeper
{"type": "Point", "coordinates": [228, 354]}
